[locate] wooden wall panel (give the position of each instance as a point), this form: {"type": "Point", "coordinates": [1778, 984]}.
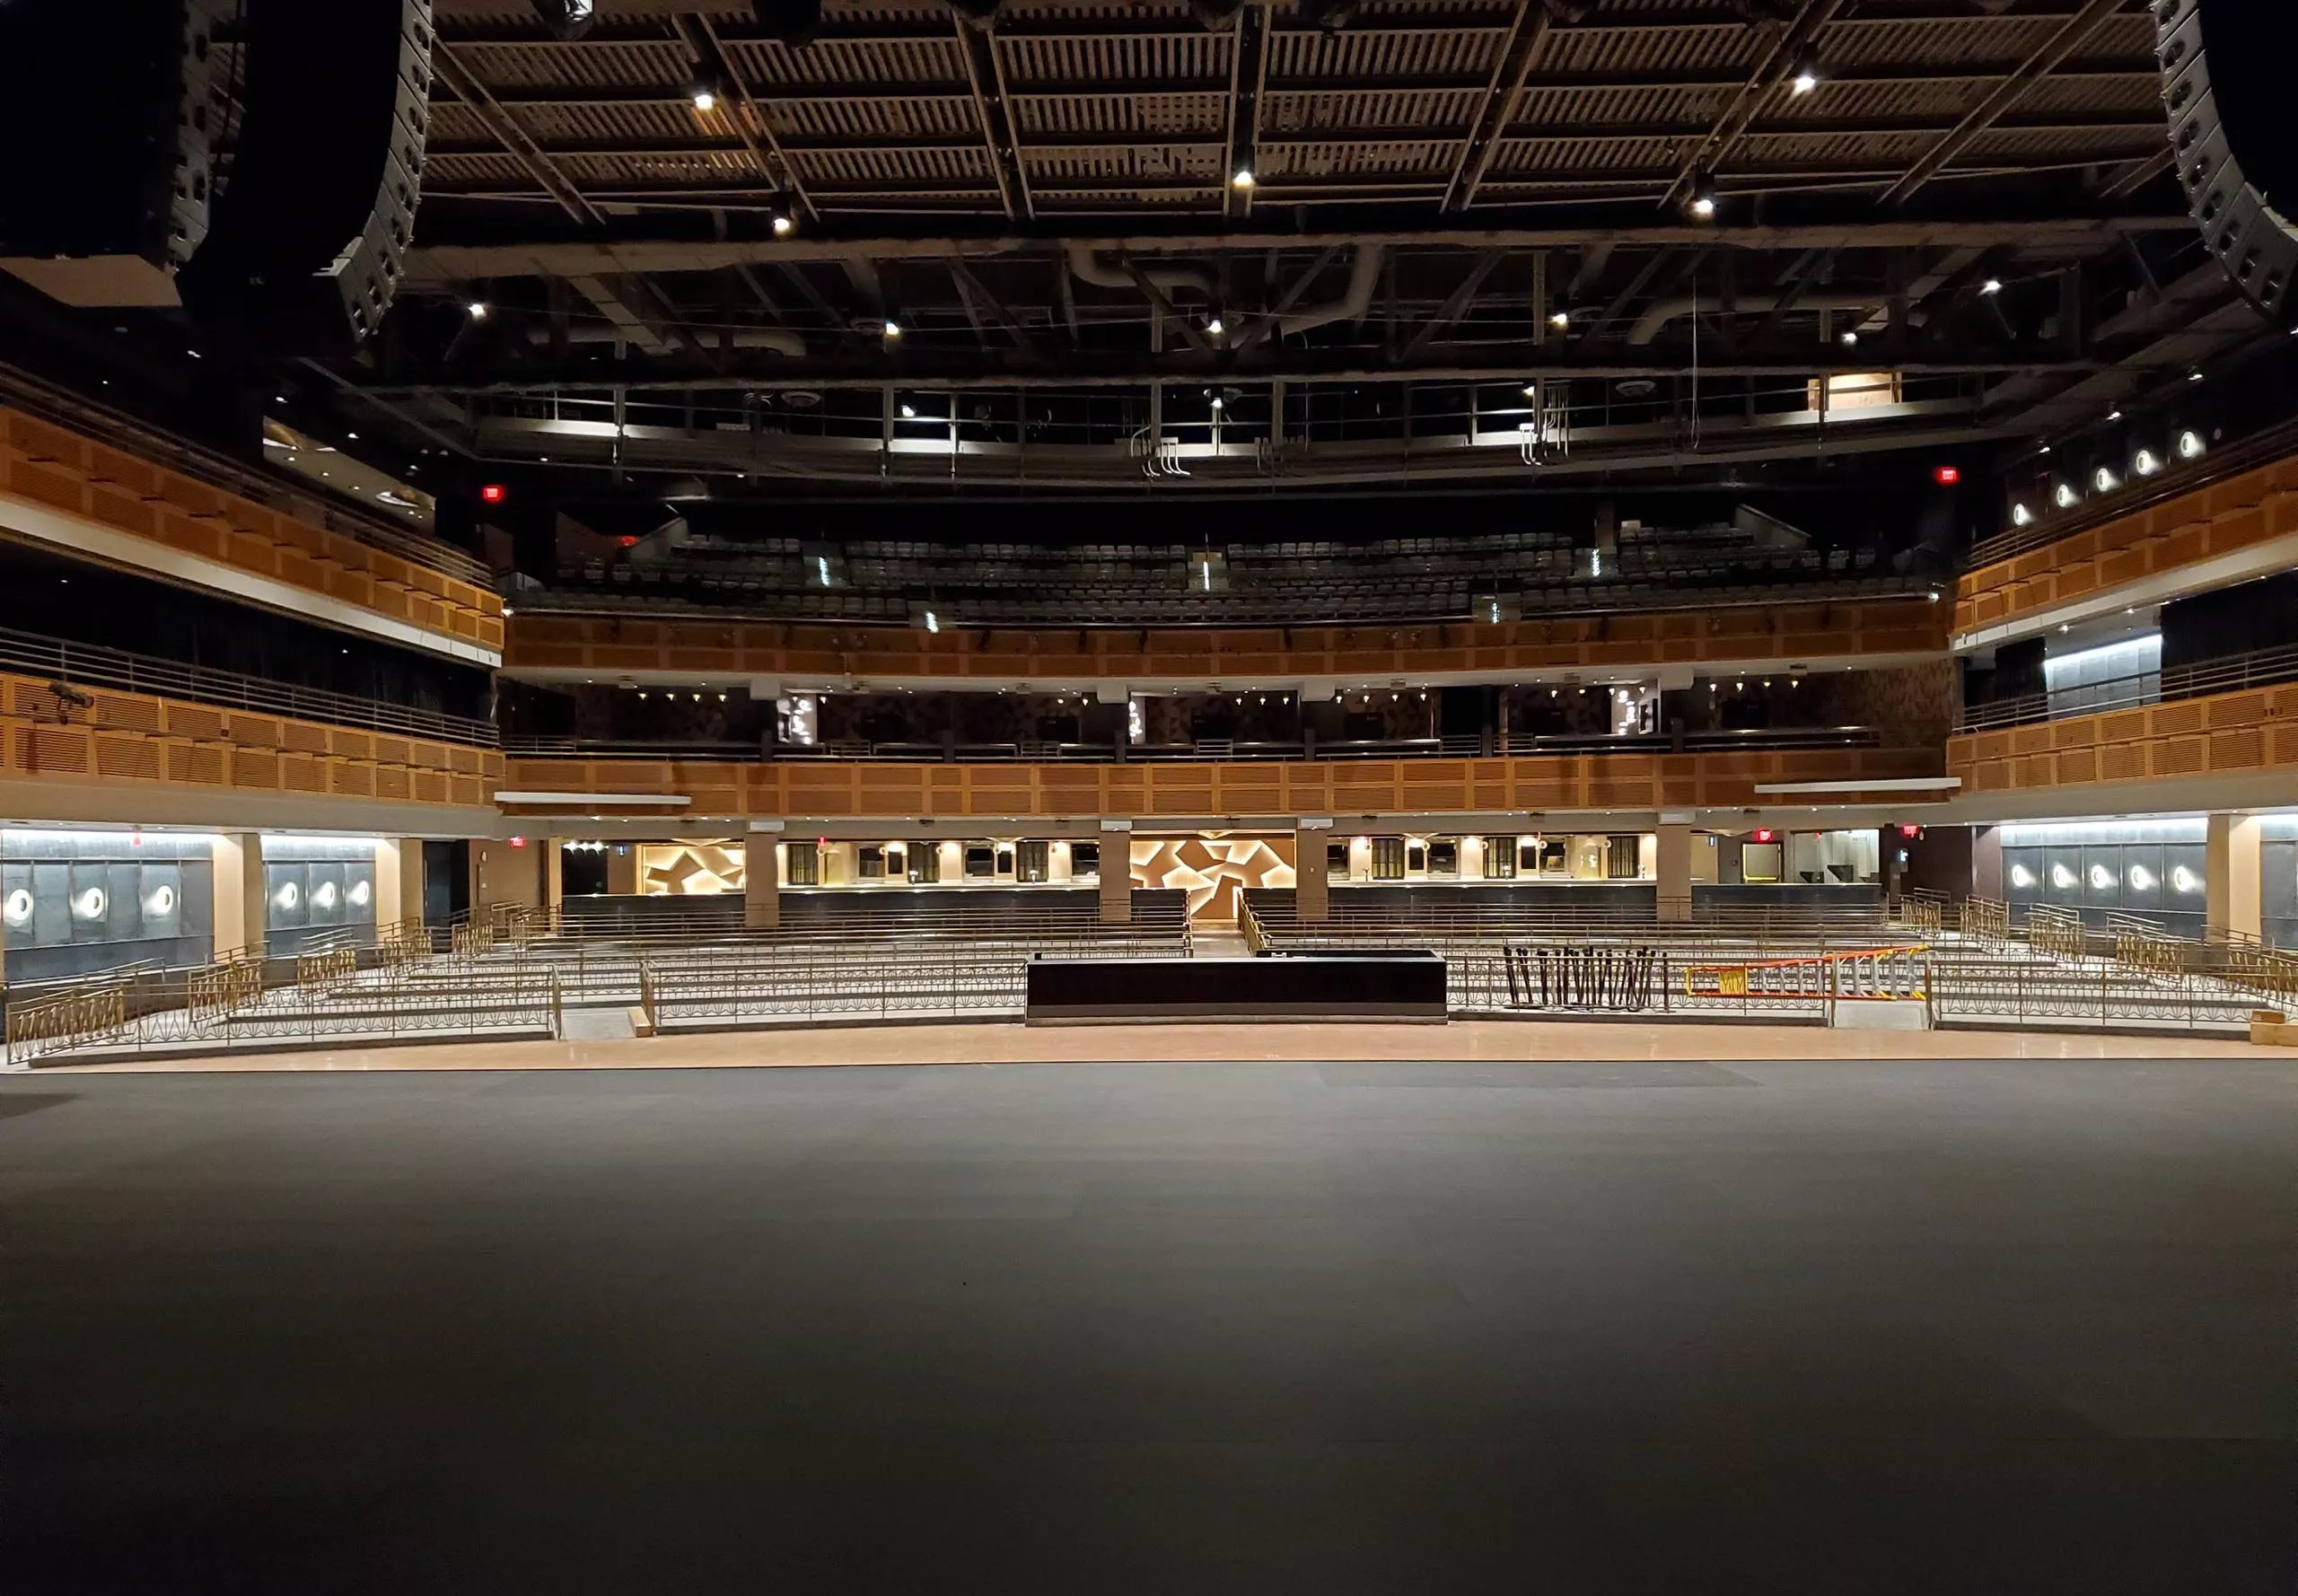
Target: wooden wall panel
{"type": "Point", "coordinates": [2221, 518]}
{"type": "Point", "coordinates": [2246, 733]}
{"type": "Point", "coordinates": [825, 790]}
{"type": "Point", "coordinates": [51, 466]}
{"type": "Point", "coordinates": [702, 646]}
{"type": "Point", "coordinates": [131, 737]}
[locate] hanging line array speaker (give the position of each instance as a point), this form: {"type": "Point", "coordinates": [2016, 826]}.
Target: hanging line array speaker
{"type": "Point", "coordinates": [2226, 72]}
{"type": "Point", "coordinates": [308, 234]}
{"type": "Point", "coordinates": [113, 111]}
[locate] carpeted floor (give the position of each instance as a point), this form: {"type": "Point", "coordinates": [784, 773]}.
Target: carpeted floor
{"type": "Point", "coordinates": [1672, 1324]}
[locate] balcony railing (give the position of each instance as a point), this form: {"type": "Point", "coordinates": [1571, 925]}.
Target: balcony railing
{"type": "Point", "coordinates": [81, 664]}
{"type": "Point", "coordinates": [1217, 751]}
{"type": "Point", "coordinates": [2265, 668]}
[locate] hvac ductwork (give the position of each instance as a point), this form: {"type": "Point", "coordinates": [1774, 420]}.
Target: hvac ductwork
{"type": "Point", "coordinates": [1169, 280]}
{"type": "Point", "coordinates": [746, 338]}
{"type": "Point", "coordinates": [1364, 277]}
{"type": "Point", "coordinates": [1648, 326]}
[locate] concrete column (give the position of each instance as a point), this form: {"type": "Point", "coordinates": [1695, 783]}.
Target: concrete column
{"type": "Point", "coordinates": [1311, 887]}
{"type": "Point", "coordinates": [1674, 869]}
{"type": "Point", "coordinates": [762, 880]}
{"type": "Point", "coordinates": [554, 872]}
{"type": "Point", "coordinates": [1986, 863]}
{"type": "Point", "coordinates": [238, 895]}
{"type": "Point", "coordinates": [1117, 877]}
{"type": "Point", "coordinates": [399, 880]}
{"type": "Point", "coordinates": [622, 869]}
{"type": "Point", "coordinates": [2231, 872]}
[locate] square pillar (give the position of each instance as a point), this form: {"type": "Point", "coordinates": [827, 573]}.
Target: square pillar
{"type": "Point", "coordinates": [240, 923]}
{"type": "Point", "coordinates": [2231, 873]}
{"type": "Point", "coordinates": [1117, 872]}
{"type": "Point", "coordinates": [1311, 885]}
{"type": "Point", "coordinates": [1673, 862]}
{"type": "Point", "coordinates": [622, 869]}
{"type": "Point", "coordinates": [398, 881]}
{"type": "Point", "coordinates": [1986, 863]}
{"type": "Point", "coordinates": [762, 880]}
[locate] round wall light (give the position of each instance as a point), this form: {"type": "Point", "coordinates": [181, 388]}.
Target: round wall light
{"type": "Point", "coordinates": [2021, 876]}
{"type": "Point", "coordinates": [89, 904]}
{"type": "Point", "coordinates": [2061, 877]}
{"type": "Point", "coordinates": [160, 902]}
{"type": "Point", "coordinates": [323, 895]}
{"type": "Point", "coordinates": [361, 892]}
{"type": "Point", "coordinates": [18, 908]}
{"type": "Point", "coordinates": [2101, 878]}
{"type": "Point", "coordinates": [2183, 880]}
{"type": "Point", "coordinates": [288, 895]}
{"type": "Point", "coordinates": [2142, 880]}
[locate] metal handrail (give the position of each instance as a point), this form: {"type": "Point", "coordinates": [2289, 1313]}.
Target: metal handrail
{"type": "Point", "coordinates": [93, 665]}
{"type": "Point", "coordinates": [52, 404]}
{"type": "Point", "coordinates": [2228, 460]}
{"type": "Point", "coordinates": [1206, 751]}
{"type": "Point", "coordinates": [2264, 667]}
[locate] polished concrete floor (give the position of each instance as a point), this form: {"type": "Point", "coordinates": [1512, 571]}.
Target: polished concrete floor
{"type": "Point", "coordinates": [1657, 1325]}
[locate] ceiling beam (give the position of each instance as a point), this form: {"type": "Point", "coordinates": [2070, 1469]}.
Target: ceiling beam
{"type": "Point", "coordinates": [1454, 306]}
{"type": "Point", "coordinates": [1526, 34]}
{"type": "Point", "coordinates": [1248, 81]}
{"type": "Point", "coordinates": [443, 264]}
{"type": "Point", "coordinates": [962, 366]}
{"type": "Point", "coordinates": [505, 126]}
{"type": "Point", "coordinates": [1770, 72]}
{"type": "Point", "coordinates": [748, 118]}
{"type": "Point", "coordinates": [1001, 144]}
{"type": "Point", "coordinates": [2013, 89]}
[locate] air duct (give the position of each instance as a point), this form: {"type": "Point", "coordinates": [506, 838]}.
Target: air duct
{"type": "Point", "coordinates": [1364, 277]}
{"type": "Point", "coordinates": [747, 338]}
{"type": "Point", "coordinates": [1088, 267]}
{"type": "Point", "coordinates": [1648, 325]}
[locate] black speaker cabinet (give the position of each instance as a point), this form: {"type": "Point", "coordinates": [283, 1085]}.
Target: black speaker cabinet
{"type": "Point", "coordinates": [112, 110]}
{"type": "Point", "coordinates": [2225, 83]}
{"type": "Point", "coordinates": [304, 250]}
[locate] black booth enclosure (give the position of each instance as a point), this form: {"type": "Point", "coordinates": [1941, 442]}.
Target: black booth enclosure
{"type": "Point", "coordinates": [1353, 985]}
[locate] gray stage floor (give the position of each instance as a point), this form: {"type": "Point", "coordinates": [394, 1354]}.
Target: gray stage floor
{"type": "Point", "coordinates": [1843, 1326]}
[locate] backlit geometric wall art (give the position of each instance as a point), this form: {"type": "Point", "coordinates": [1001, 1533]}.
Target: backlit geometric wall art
{"type": "Point", "coordinates": [690, 868]}
{"type": "Point", "coordinates": [1212, 869]}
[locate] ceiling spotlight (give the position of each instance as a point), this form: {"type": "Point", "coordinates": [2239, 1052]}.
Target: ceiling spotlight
{"type": "Point", "coordinates": [782, 224]}
{"type": "Point", "coordinates": [1703, 195]}
{"type": "Point", "coordinates": [566, 19]}
{"type": "Point", "coordinates": [2193, 376]}
{"type": "Point", "coordinates": [1216, 401]}
{"type": "Point", "coordinates": [705, 99]}
{"type": "Point", "coordinates": [1559, 318]}
{"type": "Point", "coordinates": [2114, 415]}
{"type": "Point", "coordinates": [477, 310]}
{"type": "Point", "coordinates": [1807, 74]}
{"type": "Point", "coordinates": [1850, 338]}
{"type": "Point", "coordinates": [908, 414]}
{"type": "Point", "coordinates": [1531, 391]}
{"type": "Point", "coordinates": [1242, 178]}
{"type": "Point", "coordinates": [2063, 495]}
{"type": "Point", "coordinates": [1992, 285]}
{"type": "Point", "coordinates": [2145, 464]}
{"type": "Point", "coordinates": [893, 328]}
{"type": "Point", "coordinates": [2189, 444]}
{"type": "Point", "coordinates": [2104, 480]}
{"type": "Point", "coordinates": [2021, 516]}
{"type": "Point", "coordinates": [1215, 327]}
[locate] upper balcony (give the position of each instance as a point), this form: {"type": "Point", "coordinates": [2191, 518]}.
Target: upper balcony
{"type": "Point", "coordinates": [96, 733]}
{"type": "Point", "coordinates": [2222, 731]}
{"type": "Point", "coordinates": [701, 652]}
{"type": "Point", "coordinates": [175, 512]}
{"type": "Point", "coordinates": [2228, 517]}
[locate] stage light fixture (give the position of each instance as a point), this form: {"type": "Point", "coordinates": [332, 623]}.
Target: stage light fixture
{"type": "Point", "coordinates": [566, 19]}
{"type": "Point", "coordinates": [2190, 444]}
{"type": "Point", "coordinates": [477, 310]}
{"type": "Point", "coordinates": [2144, 463]}
{"type": "Point", "coordinates": [1703, 195]}
{"type": "Point", "coordinates": [1807, 74]}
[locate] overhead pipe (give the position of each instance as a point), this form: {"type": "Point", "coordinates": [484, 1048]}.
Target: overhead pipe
{"type": "Point", "coordinates": [1088, 267]}
{"type": "Point", "coordinates": [1363, 279]}
{"type": "Point", "coordinates": [745, 338]}
{"type": "Point", "coordinates": [1649, 324]}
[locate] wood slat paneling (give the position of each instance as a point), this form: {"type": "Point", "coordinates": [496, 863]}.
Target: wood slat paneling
{"type": "Point", "coordinates": [1351, 655]}
{"type": "Point", "coordinates": [2221, 518]}
{"type": "Point", "coordinates": [810, 790]}
{"type": "Point", "coordinates": [133, 737]}
{"type": "Point", "coordinates": [2247, 734]}
{"type": "Point", "coordinates": [51, 466]}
